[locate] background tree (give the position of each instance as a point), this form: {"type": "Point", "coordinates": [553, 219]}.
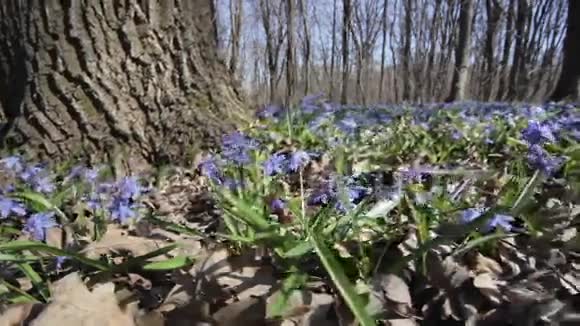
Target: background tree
{"type": "Point", "coordinates": [419, 38]}
{"type": "Point", "coordinates": [569, 83]}
{"type": "Point", "coordinates": [346, 17]}
{"type": "Point", "coordinates": [101, 78]}
{"type": "Point", "coordinates": [459, 84]}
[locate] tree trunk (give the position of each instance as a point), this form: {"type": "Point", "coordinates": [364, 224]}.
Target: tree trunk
{"type": "Point", "coordinates": [383, 48]}
{"type": "Point", "coordinates": [137, 78]}
{"type": "Point", "coordinates": [406, 60]}
{"type": "Point", "coordinates": [459, 84]}
{"type": "Point", "coordinates": [568, 86]}
{"type": "Point", "coordinates": [494, 13]}
{"type": "Point", "coordinates": [236, 14]}
{"type": "Point", "coordinates": [306, 45]}
{"type": "Point", "coordinates": [521, 25]}
{"type": "Point", "coordinates": [345, 49]}
{"type": "Point", "coordinates": [332, 51]}
{"type": "Point", "coordinates": [290, 66]}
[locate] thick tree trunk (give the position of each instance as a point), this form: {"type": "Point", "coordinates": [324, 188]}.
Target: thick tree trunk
{"type": "Point", "coordinates": [94, 77]}
{"type": "Point", "coordinates": [568, 86]}
{"type": "Point", "coordinates": [459, 84]}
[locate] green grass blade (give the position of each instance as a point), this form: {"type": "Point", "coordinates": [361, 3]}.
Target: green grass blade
{"type": "Point", "coordinates": [23, 296]}
{"type": "Point", "coordinates": [527, 193]}
{"type": "Point", "coordinates": [40, 201]}
{"type": "Point", "coordinates": [36, 280]}
{"type": "Point", "coordinates": [20, 246]}
{"type": "Point", "coordinates": [341, 281]}
{"type": "Point", "coordinates": [481, 240]}
{"type": "Point", "coordinates": [169, 264]}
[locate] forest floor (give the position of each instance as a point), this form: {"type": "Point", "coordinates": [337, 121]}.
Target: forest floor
{"type": "Point", "coordinates": [443, 214]}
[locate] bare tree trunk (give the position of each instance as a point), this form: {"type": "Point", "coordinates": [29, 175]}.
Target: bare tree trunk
{"type": "Point", "coordinates": [505, 78]}
{"type": "Point", "coordinates": [383, 49]}
{"type": "Point", "coordinates": [407, 5]}
{"type": "Point", "coordinates": [236, 12]}
{"type": "Point", "coordinates": [514, 84]}
{"type": "Point", "coordinates": [290, 65]}
{"type": "Point", "coordinates": [305, 46]}
{"type": "Point", "coordinates": [568, 86]}
{"type": "Point", "coordinates": [345, 49]}
{"type": "Point", "coordinates": [332, 51]}
{"type": "Point", "coordinates": [273, 45]}
{"type": "Point", "coordinates": [494, 11]}
{"type": "Point", "coordinates": [459, 84]}
{"type": "Point", "coordinates": [105, 78]}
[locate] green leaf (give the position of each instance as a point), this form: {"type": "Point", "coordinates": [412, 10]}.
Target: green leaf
{"type": "Point", "coordinates": [19, 246]}
{"type": "Point", "coordinates": [17, 258]}
{"type": "Point", "coordinates": [22, 297]}
{"type": "Point", "coordinates": [481, 240]}
{"type": "Point", "coordinates": [35, 279]}
{"type": "Point", "coordinates": [347, 290]}
{"type": "Point", "coordinates": [245, 212]}
{"type": "Point", "coordinates": [527, 193]}
{"type": "Point", "coordinates": [300, 249]}
{"type": "Point", "coordinates": [41, 202]}
{"type": "Point", "coordinates": [169, 264]}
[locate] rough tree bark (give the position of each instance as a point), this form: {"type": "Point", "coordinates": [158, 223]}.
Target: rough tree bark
{"type": "Point", "coordinates": [98, 77]}
{"type": "Point", "coordinates": [568, 86]}
{"type": "Point", "coordinates": [459, 84]}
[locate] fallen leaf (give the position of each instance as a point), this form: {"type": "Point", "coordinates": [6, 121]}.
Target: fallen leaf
{"type": "Point", "coordinates": [250, 311]}
{"type": "Point", "coordinates": [18, 314]}
{"type": "Point", "coordinates": [73, 304]}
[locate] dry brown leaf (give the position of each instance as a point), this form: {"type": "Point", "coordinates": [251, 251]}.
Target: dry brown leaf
{"type": "Point", "coordinates": [488, 286]}
{"type": "Point", "coordinates": [242, 275]}
{"type": "Point", "coordinates": [485, 264]}
{"type": "Point", "coordinates": [118, 240]}
{"type": "Point", "coordinates": [401, 322]}
{"type": "Point", "coordinates": [73, 304]}
{"type": "Point", "coordinates": [250, 311]}
{"type": "Point", "coordinates": [17, 314]}
{"type": "Point", "coordinates": [395, 289]}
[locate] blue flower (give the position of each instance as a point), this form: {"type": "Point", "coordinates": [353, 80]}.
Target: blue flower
{"type": "Point", "coordinates": [501, 220]}
{"type": "Point", "coordinates": [236, 147]}
{"type": "Point", "coordinates": [121, 211]}
{"type": "Point", "coordinates": [309, 103]}
{"type": "Point", "coordinates": [129, 188]}
{"type": "Point", "coordinates": [91, 175]}
{"type": "Point", "coordinates": [537, 133]}
{"type": "Point", "coordinates": [540, 159]}
{"type": "Point", "coordinates": [210, 169]}
{"type": "Point", "coordinates": [43, 185]}
{"type": "Point", "coordinates": [456, 135]}
{"type": "Point", "coordinates": [277, 205]}
{"type": "Point", "coordinates": [471, 214]}
{"type": "Point", "coordinates": [13, 163]}
{"type": "Point", "coordinates": [9, 207]}
{"type": "Point", "coordinates": [298, 160]}
{"type": "Point", "coordinates": [37, 224]}
{"type": "Point", "coordinates": [274, 164]}
{"type": "Point", "coordinates": [30, 173]}
{"type": "Point", "coordinates": [60, 261]}
{"type": "Point", "coordinates": [94, 202]}
{"type": "Point", "coordinates": [498, 220]}
{"type": "Point", "coordinates": [347, 125]}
